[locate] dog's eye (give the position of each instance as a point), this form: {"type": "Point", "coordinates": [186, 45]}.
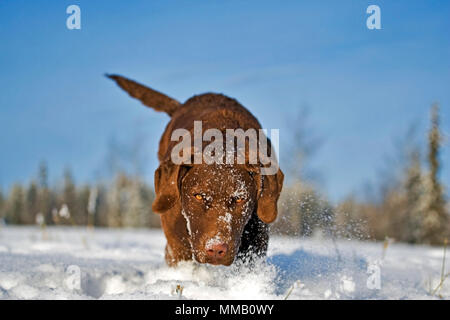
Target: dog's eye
{"type": "Point", "coordinates": [198, 196]}
{"type": "Point", "coordinates": [238, 200]}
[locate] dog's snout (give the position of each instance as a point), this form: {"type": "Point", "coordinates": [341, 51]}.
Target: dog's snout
{"type": "Point", "coordinates": [217, 251]}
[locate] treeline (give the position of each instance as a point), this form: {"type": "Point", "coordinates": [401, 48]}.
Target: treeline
{"type": "Point", "coordinates": [123, 202]}
{"type": "Point", "coordinates": [411, 208]}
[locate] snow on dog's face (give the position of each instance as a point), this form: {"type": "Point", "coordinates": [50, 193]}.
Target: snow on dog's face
{"type": "Point", "coordinates": [217, 201]}
{"type": "Point", "coordinates": [207, 207]}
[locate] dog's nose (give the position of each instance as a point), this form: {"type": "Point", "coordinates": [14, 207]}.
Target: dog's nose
{"type": "Point", "coordinates": [217, 251]}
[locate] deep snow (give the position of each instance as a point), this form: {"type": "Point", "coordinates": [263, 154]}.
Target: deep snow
{"type": "Point", "coordinates": [76, 263]}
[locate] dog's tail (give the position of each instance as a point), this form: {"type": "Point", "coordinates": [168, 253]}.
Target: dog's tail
{"type": "Point", "coordinates": [149, 97]}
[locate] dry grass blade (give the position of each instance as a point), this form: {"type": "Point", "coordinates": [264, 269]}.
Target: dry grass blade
{"type": "Point", "coordinates": [444, 276]}
{"type": "Point", "coordinates": [179, 290]}
{"type": "Point", "coordinates": [291, 289]}
{"type": "Point", "coordinates": [385, 247]}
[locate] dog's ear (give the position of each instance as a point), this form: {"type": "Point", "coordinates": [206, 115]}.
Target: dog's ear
{"type": "Point", "coordinates": [269, 188]}
{"type": "Point", "coordinates": [149, 97]}
{"type": "Point", "coordinates": [167, 185]}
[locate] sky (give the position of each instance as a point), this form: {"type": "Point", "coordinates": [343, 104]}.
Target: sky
{"type": "Point", "coordinates": [362, 88]}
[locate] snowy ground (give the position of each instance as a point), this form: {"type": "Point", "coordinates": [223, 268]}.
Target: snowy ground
{"type": "Point", "coordinates": [76, 263]}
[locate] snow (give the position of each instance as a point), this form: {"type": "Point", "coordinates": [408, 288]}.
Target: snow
{"type": "Point", "coordinates": [213, 241]}
{"type": "Point", "coordinates": [188, 222]}
{"type": "Point", "coordinates": [80, 263]}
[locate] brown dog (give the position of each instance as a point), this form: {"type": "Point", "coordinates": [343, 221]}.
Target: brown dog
{"type": "Point", "coordinates": [210, 213]}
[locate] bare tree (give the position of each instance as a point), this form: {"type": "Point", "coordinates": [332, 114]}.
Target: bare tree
{"type": "Point", "coordinates": [303, 146]}
{"type": "Point", "coordinates": [302, 209]}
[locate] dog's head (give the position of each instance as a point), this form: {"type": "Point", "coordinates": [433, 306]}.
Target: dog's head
{"type": "Point", "coordinates": [216, 201]}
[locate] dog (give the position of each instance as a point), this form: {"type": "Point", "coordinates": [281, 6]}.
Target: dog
{"type": "Point", "coordinates": [211, 213]}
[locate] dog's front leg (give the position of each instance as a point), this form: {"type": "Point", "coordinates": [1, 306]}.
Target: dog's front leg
{"type": "Point", "coordinates": [178, 247]}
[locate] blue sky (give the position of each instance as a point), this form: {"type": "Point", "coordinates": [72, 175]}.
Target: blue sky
{"type": "Point", "coordinates": [363, 88]}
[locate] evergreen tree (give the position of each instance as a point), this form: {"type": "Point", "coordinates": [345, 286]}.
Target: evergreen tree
{"type": "Point", "coordinates": [92, 205]}
{"type": "Point", "coordinates": [103, 207]}
{"type": "Point", "coordinates": [82, 203]}
{"type": "Point", "coordinates": [16, 205]}
{"type": "Point", "coordinates": [435, 222]}
{"type": "Point", "coordinates": [2, 205]}
{"type": "Point", "coordinates": [44, 194]}
{"type": "Point", "coordinates": [43, 175]}
{"type": "Point", "coordinates": [414, 201]}
{"type": "Point", "coordinates": [32, 205]}
{"type": "Point", "coordinates": [117, 198]}
{"type": "Point", "coordinates": [69, 197]}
